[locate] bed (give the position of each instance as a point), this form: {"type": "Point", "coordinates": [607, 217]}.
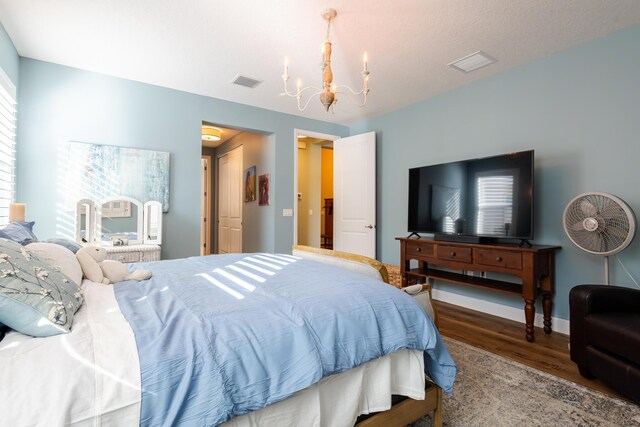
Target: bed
{"type": "Point", "coordinates": [124, 363]}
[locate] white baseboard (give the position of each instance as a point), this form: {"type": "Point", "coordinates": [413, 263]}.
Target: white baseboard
{"type": "Point", "coordinates": [500, 310]}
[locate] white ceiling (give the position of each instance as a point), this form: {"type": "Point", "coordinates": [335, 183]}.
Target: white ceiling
{"type": "Point", "coordinates": [200, 45]}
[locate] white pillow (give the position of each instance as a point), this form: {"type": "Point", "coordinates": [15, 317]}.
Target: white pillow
{"type": "Point", "coordinates": [60, 257]}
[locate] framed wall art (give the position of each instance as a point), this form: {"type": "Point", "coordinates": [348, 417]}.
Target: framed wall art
{"type": "Point", "coordinates": [250, 184]}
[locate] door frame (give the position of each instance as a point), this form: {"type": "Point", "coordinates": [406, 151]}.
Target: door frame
{"type": "Point", "coordinates": [296, 134]}
{"type": "Point", "coordinates": [208, 202]}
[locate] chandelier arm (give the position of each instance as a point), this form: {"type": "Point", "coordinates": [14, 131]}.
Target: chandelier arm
{"type": "Point", "coordinates": [308, 101]}
{"type": "Point", "coordinates": [337, 88]}
{"type": "Point", "coordinates": [300, 92]}
{"type": "Point", "coordinates": [354, 93]}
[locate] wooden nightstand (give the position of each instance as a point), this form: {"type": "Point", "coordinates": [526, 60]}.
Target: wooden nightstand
{"type": "Point", "coordinates": [134, 253]}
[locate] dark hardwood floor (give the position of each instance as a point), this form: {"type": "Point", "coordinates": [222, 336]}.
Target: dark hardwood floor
{"type": "Point", "coordinates": [549, 352]}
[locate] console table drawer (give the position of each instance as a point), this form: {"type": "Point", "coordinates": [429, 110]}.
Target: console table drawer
{"type": "Point", "coordinates": [454, 253]}
{"type": "Point", "coordinates": [499, 258]}
{"type": "Point", "coordinates": [419, 250]}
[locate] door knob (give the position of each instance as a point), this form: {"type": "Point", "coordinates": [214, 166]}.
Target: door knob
{"type": "Point", "coordinates": [368, 226]}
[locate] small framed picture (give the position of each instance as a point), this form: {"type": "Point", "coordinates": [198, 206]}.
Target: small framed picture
{"type": "Point", "coordinates": [119, 240]}
{"type": "Point", "coordinates": [263, 187]}
{"type": "Point", "coordinates": [250, 184]}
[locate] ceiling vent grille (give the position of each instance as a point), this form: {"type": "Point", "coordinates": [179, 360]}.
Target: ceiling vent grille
{"type": "Point", "coordinates": [472, 62]}
{"type": "Point", "coordinates": [245, 81]}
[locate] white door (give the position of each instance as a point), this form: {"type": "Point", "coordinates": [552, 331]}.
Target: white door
{"type": "Point", "coordinates": [230, 202]}
{"type": "Point", "coordinates": [354, 184]}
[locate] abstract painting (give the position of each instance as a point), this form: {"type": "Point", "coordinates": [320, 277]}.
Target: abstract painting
{"type": "Point", "coordinates": [250, 184]}
{"type": "Point", "coordinates": [97, 172]}
{"type": "Point", "coordinates": [263, 188]}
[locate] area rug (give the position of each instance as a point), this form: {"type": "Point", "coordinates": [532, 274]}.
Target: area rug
{"type": "Point", "coordinates": [493, 391]}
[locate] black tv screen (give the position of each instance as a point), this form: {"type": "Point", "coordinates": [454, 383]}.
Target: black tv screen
{"type": "Point", "coordinates": [491, 196]}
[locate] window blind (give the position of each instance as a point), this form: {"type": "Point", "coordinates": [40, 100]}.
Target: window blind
{"type": "Point", "coordinates": [8, 123]}
{"type": "Point", "coordinates": [495, 204]}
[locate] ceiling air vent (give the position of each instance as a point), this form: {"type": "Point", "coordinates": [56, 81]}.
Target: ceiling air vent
{"type": "Point", "coordinates": [245, 81]}
{"type": "Point", "coordinates": [472, 62]}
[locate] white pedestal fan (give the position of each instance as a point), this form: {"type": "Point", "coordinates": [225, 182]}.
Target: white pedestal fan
{"type": "Point", "coordinates": [601, 224]}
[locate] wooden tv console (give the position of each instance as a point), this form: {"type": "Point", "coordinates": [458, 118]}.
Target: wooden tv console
{"type": "Point", "coordinates": [533, 265]}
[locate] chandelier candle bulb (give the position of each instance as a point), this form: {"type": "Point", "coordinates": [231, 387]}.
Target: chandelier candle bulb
{"type": "Point", "coordinates": [365, 61]}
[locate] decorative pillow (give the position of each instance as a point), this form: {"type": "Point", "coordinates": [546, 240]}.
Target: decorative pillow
{"type": "Point", "coordinates": [60, 257]}
{"type": "Point", "coordinates": [69, 244]}
{"type": "Point", "coordinates": [35, 298]}
{"type": "Point", "coordinates": [19, 231]}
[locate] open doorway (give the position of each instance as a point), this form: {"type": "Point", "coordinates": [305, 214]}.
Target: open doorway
{"type": "Point", "coordinates": [351, 209]}
{"type": "Point", "coordinates": [233, 217]}
{"type": "Point", "coordinates": [314, 187]}
{"type": "Point", "coordinates": [213, 136]}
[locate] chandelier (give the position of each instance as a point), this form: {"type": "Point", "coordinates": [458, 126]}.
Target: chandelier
{"type": "Point", "coordinates": [329, 91]}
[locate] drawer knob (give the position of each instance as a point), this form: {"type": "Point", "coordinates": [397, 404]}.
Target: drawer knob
{"type": "Point", "coordinates": [419, 250]}
{"type": "Point", "coordinates": [453, 254]}
{"type": "Point", "coordinates": [121, 258]}
{"type": "Point", "coordinates": [498, 258]}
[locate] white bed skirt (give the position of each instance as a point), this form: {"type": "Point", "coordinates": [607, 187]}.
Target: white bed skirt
{"type": "Point", "coordinates": [337, 400]}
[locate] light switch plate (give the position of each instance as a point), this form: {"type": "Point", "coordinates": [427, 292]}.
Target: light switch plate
{"type": "Point", "coordinates": [287, 212]}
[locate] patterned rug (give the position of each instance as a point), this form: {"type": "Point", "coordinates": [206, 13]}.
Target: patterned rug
{"type": "Point", "coordinates": [493, 391]}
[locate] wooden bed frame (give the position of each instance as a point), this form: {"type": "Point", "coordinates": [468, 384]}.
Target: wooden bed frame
{"type": "Point", "coordinates": [408, 410]}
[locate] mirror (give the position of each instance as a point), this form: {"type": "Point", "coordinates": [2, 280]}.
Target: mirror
{"type": "Point", "coordinates": [153, 222]}
{"type": "Point", "coordinates": [119, 221]}
{"type": "Point", "coordinates": [85, 221]}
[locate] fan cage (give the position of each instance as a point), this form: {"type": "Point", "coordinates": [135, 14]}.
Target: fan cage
{"type": "Point", "coordinates": [599, 223]}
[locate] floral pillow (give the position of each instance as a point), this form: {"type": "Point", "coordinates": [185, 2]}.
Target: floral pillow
{"type": "Point", "coordinates": [35, 298]}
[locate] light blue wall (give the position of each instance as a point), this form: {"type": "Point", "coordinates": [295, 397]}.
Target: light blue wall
{"type": "Point", "coordinates": [59, 103]}
{"type": "Point", "coordinates": [9, 59]}
{"type": "Point", "coordinates": [579, 110]}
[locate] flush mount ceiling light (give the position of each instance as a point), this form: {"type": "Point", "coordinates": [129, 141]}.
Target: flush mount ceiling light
{"type": "Point", "coordinates": [329, 91]}
{"type": "Point", "coordinates": [211, 134]}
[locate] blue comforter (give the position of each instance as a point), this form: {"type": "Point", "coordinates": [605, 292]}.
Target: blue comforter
{"type": "Point", "coordinates": [223, 335]}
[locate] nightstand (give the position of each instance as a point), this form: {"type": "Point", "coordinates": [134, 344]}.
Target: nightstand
{"type": "Point", "coordinates": [133, 253]}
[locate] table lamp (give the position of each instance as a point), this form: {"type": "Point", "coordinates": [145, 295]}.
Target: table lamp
{"type": "Point", "coordinates": [17, 212]}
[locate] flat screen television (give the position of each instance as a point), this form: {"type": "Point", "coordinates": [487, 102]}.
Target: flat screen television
{"type": "Point", "coordinates": [490, 197]}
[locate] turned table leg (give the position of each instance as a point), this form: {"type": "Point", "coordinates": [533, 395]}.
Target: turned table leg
{"type": "Point", "coordinates": [546, 310]}
{"type": "Point", "coordinates": [529, 315]}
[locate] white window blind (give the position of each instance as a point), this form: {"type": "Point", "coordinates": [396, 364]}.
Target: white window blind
{"type": "Point", "coordinates": [8, 120]}
{"type": "Point", "coordinates": [495, 204]}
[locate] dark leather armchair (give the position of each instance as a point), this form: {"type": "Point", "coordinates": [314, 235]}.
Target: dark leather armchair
{"type": "Point", "coordinates": [605, 335]}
